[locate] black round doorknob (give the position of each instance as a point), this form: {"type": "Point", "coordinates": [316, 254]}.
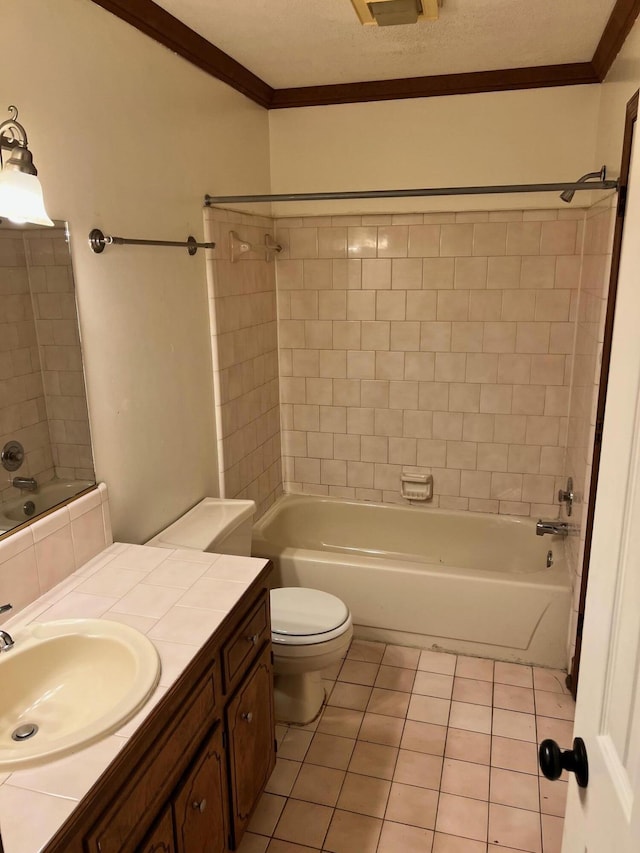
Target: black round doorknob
{"type": "Point", "coordinates": [554, 760]}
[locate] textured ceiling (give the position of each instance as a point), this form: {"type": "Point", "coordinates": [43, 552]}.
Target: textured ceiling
{"type": "Point", "coordinates": [291, 43]}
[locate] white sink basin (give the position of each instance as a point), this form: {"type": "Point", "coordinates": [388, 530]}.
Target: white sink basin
{"type": "Point", "coordinates": [77, 680]}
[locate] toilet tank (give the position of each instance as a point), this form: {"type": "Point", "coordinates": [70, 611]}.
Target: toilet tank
{"type": "Point", "coordinates": [216, 525]}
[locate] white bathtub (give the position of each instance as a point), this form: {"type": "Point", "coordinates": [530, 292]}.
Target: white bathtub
{"type": "Point", "coordinates": [466, 582]}
{"type": "Point", "coordinates": [45, 497]}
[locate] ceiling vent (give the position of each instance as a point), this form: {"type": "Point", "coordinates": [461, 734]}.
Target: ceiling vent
{"type": "Point", "coordinates": [388, 13]}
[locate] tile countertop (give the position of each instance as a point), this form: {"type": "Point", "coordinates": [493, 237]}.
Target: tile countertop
{"type": "Point", "coordinates": [177, 598]}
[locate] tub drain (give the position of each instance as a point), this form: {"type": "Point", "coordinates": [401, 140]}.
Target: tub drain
{"type": "Point", "coordinates": [25, 731]}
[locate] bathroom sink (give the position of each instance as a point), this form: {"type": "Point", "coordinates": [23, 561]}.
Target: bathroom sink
{"type": "Point", "coordinates": [68, 683]}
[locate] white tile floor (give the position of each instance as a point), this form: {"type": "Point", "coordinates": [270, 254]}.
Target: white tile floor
{"type": "Point", "coordinates": [419, 752]}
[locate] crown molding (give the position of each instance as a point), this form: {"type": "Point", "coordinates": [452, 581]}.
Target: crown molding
{"type": "Point", "coordinates": [164, 28]}
{"type": "Point", "coordinates": [621, 20]}
{"type": "Point", "coordinates": [540, 76]}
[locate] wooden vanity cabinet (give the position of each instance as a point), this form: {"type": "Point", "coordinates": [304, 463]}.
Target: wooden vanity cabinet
{"type": "Point", "coordinates": [188, 780]}
{"type": "Point", "coordinates": [200, 807]}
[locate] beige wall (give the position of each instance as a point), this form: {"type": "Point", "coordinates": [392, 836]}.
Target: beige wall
{"type": "Point", "coordinates": [505, 137]}
{"type": "Point", "coordinates": [128, 137]}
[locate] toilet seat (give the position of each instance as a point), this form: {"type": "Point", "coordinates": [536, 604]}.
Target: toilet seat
{"type": "Point", "coordinates": [301, 616]}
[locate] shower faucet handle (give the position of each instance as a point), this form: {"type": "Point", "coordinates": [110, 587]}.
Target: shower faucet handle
{"type": "Point", "coordinates": [567, 496]}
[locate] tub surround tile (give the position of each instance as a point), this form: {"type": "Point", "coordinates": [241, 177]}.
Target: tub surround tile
{"type": "Point", "coordinates": [484, 295]}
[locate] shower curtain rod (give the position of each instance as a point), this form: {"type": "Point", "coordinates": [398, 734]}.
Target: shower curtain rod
{"type": "Point", "coordinates": [414, 193]}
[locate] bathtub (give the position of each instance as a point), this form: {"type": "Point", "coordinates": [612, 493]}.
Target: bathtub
{"type": "Point", "coordinates": [470, 583]}
{"type": "Point", "coordinates": [45, 497]}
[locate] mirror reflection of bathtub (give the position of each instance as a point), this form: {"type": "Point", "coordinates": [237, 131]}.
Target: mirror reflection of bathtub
{"type": "Point", "coordinates": [31, 505]}
{"type": "Point", "coordinates": [42, 390]}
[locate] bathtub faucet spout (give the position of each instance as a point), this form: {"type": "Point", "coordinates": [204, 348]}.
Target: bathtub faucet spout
{"type": "Point", "coordinates": [29, 484]}
{"type": "Point", "coordinates": [557, 528]}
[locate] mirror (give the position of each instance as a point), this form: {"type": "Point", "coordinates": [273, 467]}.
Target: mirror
{"type": "Point", "coordinates": [43, 404]}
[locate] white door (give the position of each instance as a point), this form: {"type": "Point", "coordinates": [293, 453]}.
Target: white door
{"type": "Point", "coordinates": [604, 817]}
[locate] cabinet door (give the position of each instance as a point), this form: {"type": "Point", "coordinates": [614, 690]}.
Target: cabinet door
{"type": "Point", "coordinates": [251, 731]}
{"type": "Point", "coordinates": [160, 839]}
{"type": "Point", "coordinates": [200, 806]}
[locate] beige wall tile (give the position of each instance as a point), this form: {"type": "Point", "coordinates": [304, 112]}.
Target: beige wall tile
{"type": "Point", "coordinates": [485, 305]}
{"type": "Point", "coordinates": [421, 305]}
{"type": "Point", "coordinates": [437, 273]}
{"type": "Point", "coordinates": [424, 241]}
{"type": "Point", "coordinates": [489, 239]}
{"type": "Point", "coordinates": [452, 305]}
{"type": "Point", "coordinates": [393, 241]}
{"type": "Point", "coordinates": [504, 273]}
{"type": "Point", "coordinates": [537, 272]}
{"type": "Point", "coordinates": [433, 396]}
{"type": "Point", "coordinates": [362, 242]}
{"type": "Point", "coordinates": [332, 304]}
{"type": "Point", "coordinates": [456, 240]}
{"type": "Point", "coordinates": [391, 305]}
{"type": "Point", "coordinates": [376, 274]}
{"type": "Point", "coordinates": [439, 341]}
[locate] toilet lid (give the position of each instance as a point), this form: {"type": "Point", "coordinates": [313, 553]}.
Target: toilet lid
{"type": "Point", "coordinates": [301, 612]}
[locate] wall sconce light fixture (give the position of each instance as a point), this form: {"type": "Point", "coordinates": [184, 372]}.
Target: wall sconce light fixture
{"type": "Point", "coordinates": [20, 191]}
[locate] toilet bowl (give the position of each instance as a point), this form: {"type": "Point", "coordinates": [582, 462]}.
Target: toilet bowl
{"type": "Point", "coordinates": [310, 629]}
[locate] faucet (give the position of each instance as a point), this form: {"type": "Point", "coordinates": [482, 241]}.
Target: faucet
{"type": "Point", "coordinates": [557, 528]}
{"type": "Point", "coordinates": [6, 640]}
{"type": "Point", "coordinates": [29, 484]}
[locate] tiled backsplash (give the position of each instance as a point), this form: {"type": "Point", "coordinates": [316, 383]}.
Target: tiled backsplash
{"type": "Point", "coordinates": [35, 559]}
{"type": "Point", "coordinates": [242, 310]}
{"type": "Point", "coordinates": [439, 343]}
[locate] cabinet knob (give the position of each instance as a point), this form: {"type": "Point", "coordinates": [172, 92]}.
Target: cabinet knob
{"type": "Point", "coordinates": [253, 639]}
{"type": "Point", "coordinates": [248, 716]}
{"type": "Point", "coordinates": [199, 805]}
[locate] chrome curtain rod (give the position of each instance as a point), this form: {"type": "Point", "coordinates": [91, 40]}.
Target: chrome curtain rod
{"type": "Point", "coordinates": [414, 193]}
{"type": "Point", "coordinates": [98, 241]}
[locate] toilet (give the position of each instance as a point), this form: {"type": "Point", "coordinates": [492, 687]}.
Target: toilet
{"type": "Point", "coordinates": [310, 629]}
